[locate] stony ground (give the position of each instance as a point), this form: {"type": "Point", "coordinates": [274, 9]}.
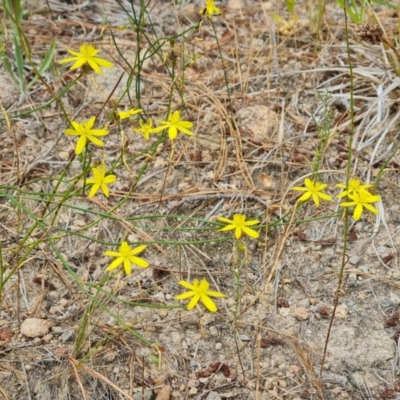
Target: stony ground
{"type": "Point", "coordinates": [59, 338]}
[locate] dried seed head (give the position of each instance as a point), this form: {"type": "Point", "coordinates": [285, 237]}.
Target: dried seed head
{"type": "Point", "coordinates": [370, 33]}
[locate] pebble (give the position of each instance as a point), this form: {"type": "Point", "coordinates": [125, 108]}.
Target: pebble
{"type": "Point", "coordinates": [227, 395]}
{"type": "Point", "coordinates": [47, 338]}
{"type": "Point", "coordinates": [164, 393]}
{"type": "Point", "coordinates": [244, 338]}
{"type": "Point", "coordinates": [218, 346]}
{"type": "Point", "coordinates": [35, 327]}
{"type": "Point", "coordinates": [354, 260]}
{"type": "Point", "coordinates": [342, 311]}
{"type": "Point", "coordinates": [301, 313]}
{"type": "Point", "coordinates": [352, 280]}
{"type": "Point", "coordinates": [213, 331]}
{"type": "Point", "coordinates": [213, 396]}
{"type": "Point", "coordinates": [364, 268]}
{"type": "Point", "coordinates": [148, 395]}
{"type": "Point", "coordinates": [192, 391]}
{"type": "Point", "coordinates": [193, 383]}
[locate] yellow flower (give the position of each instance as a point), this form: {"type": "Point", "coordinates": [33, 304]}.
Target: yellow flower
{"type": "Point", "coordinates": [361, 198]}
{"type": "Point", "coordinates": [354, 186]}
{"type": "Point", "coordinates": [86, 133]}
{"type": "Point", "coordinates": [210, 9]}
{"type": "Point", "coordinates": [145, 128]}
{"type": "Point", "coordinates": [128, 113]}
{"type": "Point", "coordinates": [87, 55]}
{"type": "Point", "coordinates": [174, 125]}
{"type": "Point", "coordinates": [100, 180]}
{"type": "Point", "coordinates": [240, 225]}
{"type": "Point", "coordinates": [314, 190]}
{"type": "Point", "coordinates": [199, 291]}
{"type": "Point", "coordinates": [126, 255]}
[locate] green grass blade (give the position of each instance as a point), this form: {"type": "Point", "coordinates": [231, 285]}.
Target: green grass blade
{"type": "Point", "coordinates": [19, 59]}
{"type": "Point", "coordinates": [8, 67]}
{"type": "Point", "coordinates": [46, 62]}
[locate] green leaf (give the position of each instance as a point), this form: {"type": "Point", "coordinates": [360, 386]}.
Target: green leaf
{"type": "Point", "coordinates": [290, 5]}
{"type": "Point", "coordinates": [46, 62]}
{"type": "Point", "coordinates": [154, 360]}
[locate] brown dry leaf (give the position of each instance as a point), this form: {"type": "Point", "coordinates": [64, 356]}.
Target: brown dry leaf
{"type": "Point", "coordinates": [266, 181]}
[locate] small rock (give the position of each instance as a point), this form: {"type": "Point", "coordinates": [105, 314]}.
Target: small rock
{"type": "Point", "coordinates": [281, 383]}
{"type": "Point", "coordinates": [64, 302]}
{"type": "Point", "coordinates": [313, 301]}
{"type": "Point", "coordinates": [364, 268]}
{"type": "Point", "coordinates": [37, 341]}
{"type": "Point", "coordinates": [193, 383]}
{"type": "Point", "coordinates": [164, 393]}
{"type": "Point", "coordinates": [208, 319]}
{"type": "Point", "coordinates": [341, 311]}
{"type": "Point", "coordinates": [193, 364]}
{"type": "Point", "coordinates": [67, 335]}
{"type": "Point", "coordinates": [47, 338]}
{"type": "Point", "coordinates": [147, 395]}
{"type": "Point", "coordinates": [295, 368]}
{"type": "Point", "coordinates": [284, 312]}
{"type": "Point", "coordinates": [56, 309]}
{"type": "Point", "coordinates": [213, 396]}
{"type": "Point", "coordinates": [213, 331]}
{"type": "Point", "coordinates": [354, 260]}
{"type": "Point", "coordinates": [258, 122]}
{"type": "Point", "coordinates": [244, 338]}
{"type": "Point", "coordinates": [192, 391]}
{"type": "Point", "coordinates": [352, 280]}
{"type": "Point", "coordinates": [218, 346]}
{"type": "Point", "coordinates": [301, 313]}
{"type": "Point", "coordinates": [35, 327]}
{"type": "Point", "coordinates": [227, 395]}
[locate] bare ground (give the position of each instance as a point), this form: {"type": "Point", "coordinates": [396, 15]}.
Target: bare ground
{"type": "Point", "coordinates": [283, 87]}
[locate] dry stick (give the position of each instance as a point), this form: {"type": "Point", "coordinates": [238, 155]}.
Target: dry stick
{"type": "Point", "coordinates": [109, 96]}
{"type": "Point", "coordinates": [307, 363]}
{"type": "Point", "coordinates": [346, 215]}
{"type": "Point", "coordinates": [78, 378]}
{"type": "Point", "coordinates": [99, 376]}
{"type": "Point", "coordinates": [276, 262]}
{"type": "Point", "coordinates": [129, 227]}
{"type": "Point", "coordinates": [167, 173]}
{"type": "Point", "coordinates": [4, 394]}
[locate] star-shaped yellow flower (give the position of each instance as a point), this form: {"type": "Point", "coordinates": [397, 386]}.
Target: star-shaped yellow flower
{"type": "Point", "coordinates": [100, 180]}
{"type": "Point", "coordinates": [129, 113]}
{"type": "Point", "coordinates": [174, 125]}
{"type": "Point", "coordinates": [127, 256]}
{"type": "Point", "coordinates": [199, 291]}
{"type": "Point", "coordinates": [354, 186]}
{"type": "Point", "coordinates": [361, 198]}
{"type": "Point", "coordinates": [85, 132]}
{"type": "Point", "coordinates": [314, 190]}
{"type": "Point", "coordinates": [239, 224]}
{"type": "Point", "coordinates": [210, 9]}
{"type": "Point", "coordinates": [87, 56]}
{"type": "Point", "coordinates": [145, 128]}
